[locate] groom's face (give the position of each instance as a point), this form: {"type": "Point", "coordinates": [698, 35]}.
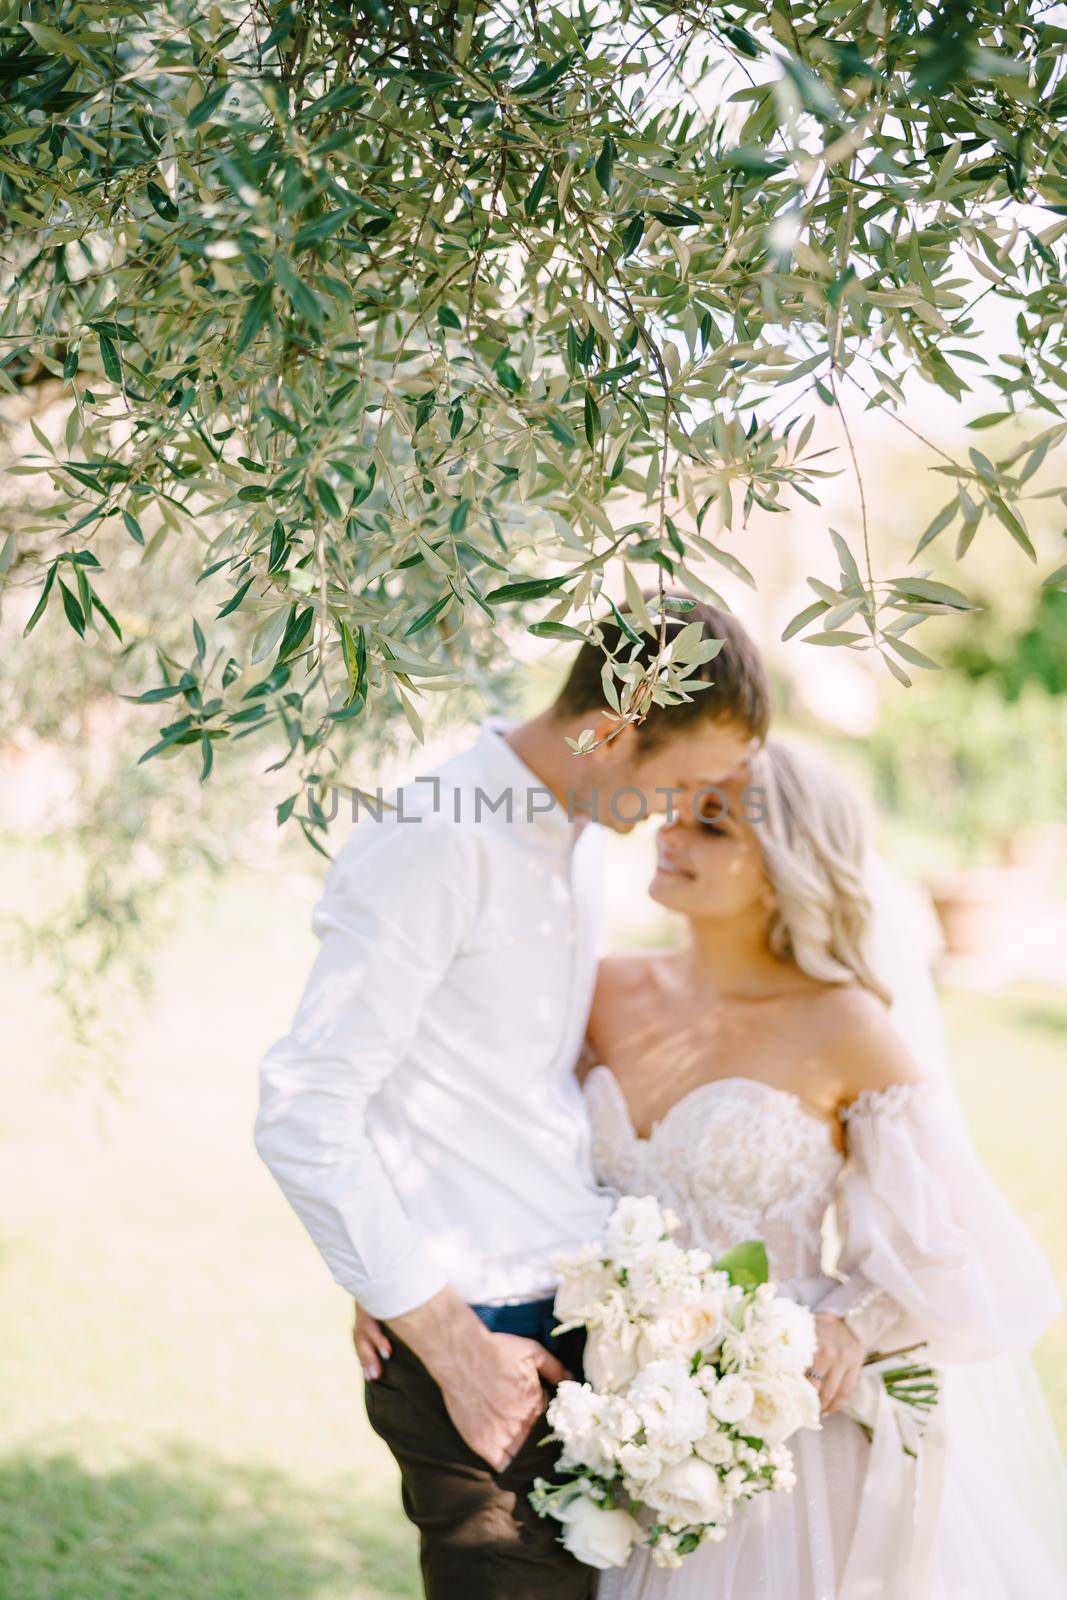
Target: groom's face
{"type": "Point", "coordinates": [667, 773]}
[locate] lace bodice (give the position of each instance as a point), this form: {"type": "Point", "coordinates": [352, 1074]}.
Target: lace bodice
{"type": "Point", "coordinates": [734, 1159]}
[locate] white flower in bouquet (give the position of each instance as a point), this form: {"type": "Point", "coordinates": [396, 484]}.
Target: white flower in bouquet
{"type": "Point", "coordinates": [590, 1426]}
{"type": "Point", "coordinates": [788, 1330]}
{"type": "Point", "coordinates": [584, 1281]}
{"type": "Point", "coordinates": [715, 1447]}
{"type": "Point", "coordinates": [636, 1224]}
{"type": "Point", "coordinates": [639, 1464]}
{"type": "Point", "coordinates": [688, 1490]}
{"type": "Point", "coordinates": [614, 1313]}
{"type": "Point", "coordinates": [781, 1405]}
{"type": "Point", "coordinates": [732, 1399]}
{"type": "Point", "coordinates": [610, 1358]}
{"type": "Point", "coordinates": [647, 1434]}
{"type": "Point", "coordinates": [599, 1536]}
{"type": "Point", "coordinates": [686, 1331]}
{"type": "Point", "coordinates": [623, 1420]}
{"type": "Point", "coordinates": [609, 1362]}
{"type": "Point", "coordinates": [778, 1460]}
{"type": "Point", "coordinates": [672, 1408]}
{"type": "Point", "coordinates": [659, 1279]}
{"type": "Point", "coordinates": [774, 1332]}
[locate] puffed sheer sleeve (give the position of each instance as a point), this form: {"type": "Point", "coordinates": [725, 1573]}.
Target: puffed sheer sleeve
{"type": "Point", "coordinates": [930, 1249]}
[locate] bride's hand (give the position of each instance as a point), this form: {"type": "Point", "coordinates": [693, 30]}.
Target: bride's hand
{"type": "Point", "coordinates": [838, 1362]}
{"type": "Point", "coordinates": [372, 1346]}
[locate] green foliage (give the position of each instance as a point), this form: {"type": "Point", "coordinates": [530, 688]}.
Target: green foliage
{"type": "Point", "coordinates": [959, 763]}
{"type": "Point", "coordinates": [746, 1264]}
{"type": "Point", "coordinates": [418, 318]}
{"type": "Point", "coordinates": [1035, 653]}
{"type": "Point", "coordinates": [117, 843]}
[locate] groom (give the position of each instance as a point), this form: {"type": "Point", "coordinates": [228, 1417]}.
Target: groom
{"type": "Point", "coordinates": [423, 1116]}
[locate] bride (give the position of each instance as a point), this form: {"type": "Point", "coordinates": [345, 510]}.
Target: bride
{"type": "Point", "coordinates": [757, 1083]}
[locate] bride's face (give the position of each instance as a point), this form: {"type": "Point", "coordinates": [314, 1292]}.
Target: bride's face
{"type": "Point", "coordinates": [709, 863]}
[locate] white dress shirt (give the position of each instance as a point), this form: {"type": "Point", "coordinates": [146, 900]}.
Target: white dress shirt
{"type": "Point", "coordinates": [422, 1116]}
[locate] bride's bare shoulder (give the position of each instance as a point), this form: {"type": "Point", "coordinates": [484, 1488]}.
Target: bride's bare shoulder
{"type": "Point", "coordinates": [628, 970]}
{"type": "Point", "coordinates": [862, 1042]}
{"type": "Point", "coordinates": [623, 980]}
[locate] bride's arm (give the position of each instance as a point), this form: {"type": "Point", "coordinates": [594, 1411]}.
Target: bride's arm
{"type": "Point", "coordinates": [870, 1059]}
{"type": "Point", "coordinates": [931, 1252]}
{"type": "Point", "coordinates": [866, 1056]}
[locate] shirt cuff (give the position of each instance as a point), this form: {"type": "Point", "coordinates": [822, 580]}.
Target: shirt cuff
{"type": "Point", "coordinates": [401, 1290]}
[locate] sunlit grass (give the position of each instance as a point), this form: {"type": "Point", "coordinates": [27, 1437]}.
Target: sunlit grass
{"type": "Point", "coordinates": [180, 1411]}
{"type": "Point", "coordinates": [1010, 1066]}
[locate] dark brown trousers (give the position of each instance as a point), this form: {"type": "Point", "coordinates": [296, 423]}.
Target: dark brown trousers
{"type": "Point", "coordinates": [479, 1538]}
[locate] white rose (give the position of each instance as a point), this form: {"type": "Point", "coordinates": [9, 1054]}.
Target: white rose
{"type": "Point", "coordinates": [597, 1536]}
{"type": "Point", "coordinates": [608, 1361]}
{"type": "Point", "coordinates": [671, 1406]}
{"type": "Point", "coordinates": [683, 1332]}
{"type": "Point", "coordinates": [716, 1448]}
{"type": "Point", "coordinates": [689, 1490]}
{"type": "Point", "coordinates": [731, 1399]}
{"type": "Point", "coordinates": [636, 1224]}
{"type": "Point", "coordinates": [639, 1464]}
{"type": "Point", "coordinates": [781, 1405]}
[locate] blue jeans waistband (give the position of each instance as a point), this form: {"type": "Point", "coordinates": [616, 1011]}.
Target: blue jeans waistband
{"type": "Point", "coordinates": [532, 1319]}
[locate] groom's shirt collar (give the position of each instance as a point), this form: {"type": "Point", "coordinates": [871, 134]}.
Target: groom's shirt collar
{"type": "Point", "coordinates": [534, 812]}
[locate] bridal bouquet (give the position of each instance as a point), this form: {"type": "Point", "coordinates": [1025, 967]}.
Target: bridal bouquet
{"type": "Point", "coordinates": [696, 1380]}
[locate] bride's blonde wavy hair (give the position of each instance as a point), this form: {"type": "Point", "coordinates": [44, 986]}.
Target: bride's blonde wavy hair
{"type": "Point", "coordinates": [814, 837]}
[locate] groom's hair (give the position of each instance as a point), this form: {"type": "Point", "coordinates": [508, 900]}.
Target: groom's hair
{"type": "Point", "coordinates": [737, 689]}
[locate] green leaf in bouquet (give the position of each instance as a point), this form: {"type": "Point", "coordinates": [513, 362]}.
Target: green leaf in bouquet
{"type": "Point", "coordinates": [746, 1264]}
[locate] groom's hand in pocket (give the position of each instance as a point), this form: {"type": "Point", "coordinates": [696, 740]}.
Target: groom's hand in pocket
{"type": "Point", "coordinates": [491, 1383]}
{"type": "Point", "coordinates": [503, 1395]}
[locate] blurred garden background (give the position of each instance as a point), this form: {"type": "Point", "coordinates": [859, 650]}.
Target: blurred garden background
{"type": "Point", "coordinates": [180, 1408]}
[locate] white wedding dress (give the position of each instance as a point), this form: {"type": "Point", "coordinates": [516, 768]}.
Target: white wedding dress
{"type": "Point", "coordinates": [923, 1247]}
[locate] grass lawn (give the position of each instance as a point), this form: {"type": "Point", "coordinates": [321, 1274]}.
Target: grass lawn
{"type": "Point", "coordinates": [180, 1411]}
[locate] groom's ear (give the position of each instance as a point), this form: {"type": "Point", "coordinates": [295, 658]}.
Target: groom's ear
{"type": "Point", "coordinates": [619, 742]}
